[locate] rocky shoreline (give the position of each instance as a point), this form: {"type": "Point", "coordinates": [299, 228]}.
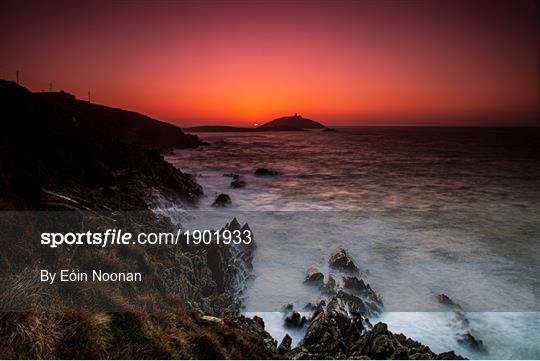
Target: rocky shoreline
{"type": "Point", "coordinates": [339, 327]}
{"type": "Point", "coordinates": [62, 154]}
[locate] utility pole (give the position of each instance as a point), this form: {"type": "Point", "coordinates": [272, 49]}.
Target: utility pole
{"type": "Point", "coordinates": [50, 87]}
{"type": "Point", "coordinates": [17, 77]}
{"type": "Point", "coordinates": [89, 96]}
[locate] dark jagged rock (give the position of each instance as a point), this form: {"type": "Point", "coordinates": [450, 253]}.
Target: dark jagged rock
{"type": "Point", "coordinates": [259, 320]}
{"type": "Point", "coordinates": [313, 275]}
{"type": "Point", "coordinates": [329, 335]}
{"type": "Point", "coordinates": [265, 172]}
{"type": "Point", "coordinates": [461, 317]}
{"type": "Point", "coordinates": [355, 284]}
{"type": "Point", "coordinates": [347, 303]}
{"type": "Point", "coordinates": [447, 301]}
{"type": "Point", "coordinates": [287, 308]}
{"type": "Point", "coordinates": [238, 183]}
{"type": "Point", "coordinates": [473, 343]}
{"type": "Point", "coordinates": [334, 335]}
{"type": "Point", "coordinates": [295, 320]}
{"type": "Point", "coordinates": [222, 200]}
{"type": "Point", "coordinates": [340, 259]}
{"type": "Point", "coordinates": [285, 345]}
{"type": "Point", "coordinates": [329, 287]}
{"type": "Point", "coordinates": [233, 225]}
{"type": "Point", "coordinates": [257, 331]}
{"type": "Point", "coordinates": [359, 287]}
{"type": "Point", "coordinates": [379, 343]}
{"type": "Point", "coordinates": [341, 329]}
{"type": "Point", "coordinates": [315, 307]}
{"type": "Point", "coordinates": [466, 337]}
{"type": "Point", "coordinates": [212, 277]}
{"type": "Point", "coordinates": [237, 265]}
{"type": "Point", "coordinates": [237, 180]}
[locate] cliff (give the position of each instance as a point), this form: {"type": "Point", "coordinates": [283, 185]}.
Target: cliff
{"type": "Point", "coordinates": [53, 146]}
{"type": "Point", "coordinates": [63, 112]}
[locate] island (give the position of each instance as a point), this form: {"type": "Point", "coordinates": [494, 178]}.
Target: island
{"type": "Point", "coordinates": [290, 123]}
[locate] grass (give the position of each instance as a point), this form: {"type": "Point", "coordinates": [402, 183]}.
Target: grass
{"type": "Point", "coordinates": [87, 335]}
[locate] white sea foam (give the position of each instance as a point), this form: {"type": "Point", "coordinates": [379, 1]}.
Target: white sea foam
{"type": "Point", "coordinates": [422, 214]}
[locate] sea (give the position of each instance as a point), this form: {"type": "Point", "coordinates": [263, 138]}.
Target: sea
{"type": "Point", "coordinates": [422, 211]}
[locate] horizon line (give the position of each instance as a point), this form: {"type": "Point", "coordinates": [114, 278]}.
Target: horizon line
{"type": "Point", "coordinates": [530, 117]}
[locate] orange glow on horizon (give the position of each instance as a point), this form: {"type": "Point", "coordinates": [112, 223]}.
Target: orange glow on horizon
{"type": "Point", "coordinates": [246, 63]}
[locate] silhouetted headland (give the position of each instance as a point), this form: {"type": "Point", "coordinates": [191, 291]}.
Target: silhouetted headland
{"type": "Point", "coordinates": [107, 123]}
{"type": "Point", "coordinates": [55, 147]}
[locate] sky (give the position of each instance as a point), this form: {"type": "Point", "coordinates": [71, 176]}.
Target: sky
{"type": "Point", "coordinates": [239, 63]}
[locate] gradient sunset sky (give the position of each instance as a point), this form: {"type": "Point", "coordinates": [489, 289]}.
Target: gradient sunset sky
{"type": "Point", "coordinates": [342, 63]}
